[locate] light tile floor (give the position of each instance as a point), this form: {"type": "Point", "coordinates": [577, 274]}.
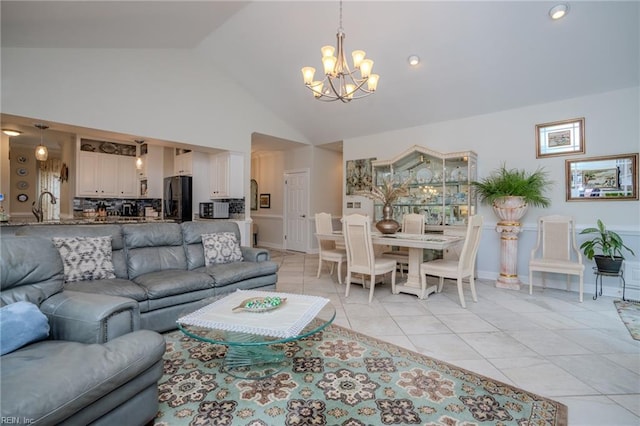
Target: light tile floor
{"type": "Point", "coordinates": [580, 354]}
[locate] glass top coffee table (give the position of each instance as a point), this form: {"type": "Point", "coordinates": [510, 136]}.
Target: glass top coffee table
{"type": "Point", "coordinates": [256, 339]}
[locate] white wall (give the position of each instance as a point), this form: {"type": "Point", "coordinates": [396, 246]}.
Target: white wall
{"type": "Point", "coordinates": [611, 127]}
{"type": "Point", "coordinates": [268, 169]}
{"type": "Point", "coordinates": [170, 95]}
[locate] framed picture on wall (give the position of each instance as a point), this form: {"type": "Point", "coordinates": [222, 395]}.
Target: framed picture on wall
{"type": "Point", "coordinates": [265, 201]}
{"type": "Point", "coordinates": [560, 138]}
{"type": "Point", "coordinates": [610, 178]}
{"type": "Point", "coordinates": [359, 175]}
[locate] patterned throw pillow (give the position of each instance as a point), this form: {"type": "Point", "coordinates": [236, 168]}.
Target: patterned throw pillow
{"type": "Point", "coordinates": [86, 258]}
{"type": "Point", "coordinates": [221, 247]}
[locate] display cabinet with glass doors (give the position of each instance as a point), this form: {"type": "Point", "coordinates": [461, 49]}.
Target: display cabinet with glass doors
{"type": "Point", "coordinates": [439, 186]}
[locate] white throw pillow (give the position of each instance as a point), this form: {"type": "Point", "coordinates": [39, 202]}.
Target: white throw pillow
{"type": "Point", "coordinates": [221, 247]}
{"type": "Point", "coordinates": [85, 258]}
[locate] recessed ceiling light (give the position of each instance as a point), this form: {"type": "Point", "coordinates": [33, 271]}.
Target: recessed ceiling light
{"type": "Point", "coordinates": [558, 11]}
{"type": "Point", "coordinates": [11, 132]}
{"type": "Point", "coordinates": [414, 60]}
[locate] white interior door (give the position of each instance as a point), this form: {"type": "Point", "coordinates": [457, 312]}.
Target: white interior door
{"type": "Point", "coordinates": [296, 209]}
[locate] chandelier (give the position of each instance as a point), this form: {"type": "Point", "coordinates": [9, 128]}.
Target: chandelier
{"type": "Point", "coordinates": [340, 83]}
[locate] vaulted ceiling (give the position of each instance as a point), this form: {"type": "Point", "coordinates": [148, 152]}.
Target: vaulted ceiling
{"type": "Point", "coordinates": [477, 57]}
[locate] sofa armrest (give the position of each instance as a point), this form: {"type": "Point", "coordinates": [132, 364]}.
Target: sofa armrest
{"type": "Point", "coordinates": [90, 318]}
{"type": "Point", "coordinates": [251, 254]}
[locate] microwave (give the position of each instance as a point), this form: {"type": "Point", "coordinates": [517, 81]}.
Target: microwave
{"type": "Point", "coordinates": [214, 210]}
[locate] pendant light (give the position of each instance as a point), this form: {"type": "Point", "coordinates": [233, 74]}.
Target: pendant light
{"type": "Point", "coordinates": [42, 153]}
{"type": "Point", "coordinates": [139, 158]}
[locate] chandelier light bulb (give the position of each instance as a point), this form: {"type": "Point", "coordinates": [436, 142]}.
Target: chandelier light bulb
{"type": "Point", "coordinates": [365, 68]}
{"type": "Point", "coordinates": [329, 63]}
{"type": "Point", "coordinates": [358, 56]}
{"type": "Point", "coordinates": [372, 82]}
{"type": "Point", "coordinates": [307, 74]}
{"type": "Point", "coordinates": [414, 60]}
{"type": "Point", "coordinates": [327, 50]}
{"type": "Point", "coordinates": [316, 86]}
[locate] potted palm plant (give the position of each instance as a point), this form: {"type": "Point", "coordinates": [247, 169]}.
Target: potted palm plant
{"type": "Point", "coordinates": [609, 244]}
{"type": "Point", "coordinates": [511, 191]}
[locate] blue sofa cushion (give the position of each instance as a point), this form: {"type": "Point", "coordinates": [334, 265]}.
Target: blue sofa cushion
{"type": "Point", "coordinates": [85, 258]}
{"type": "Point", "coordinates": [221, 247]}
{"type": "Point", "coordinates": [21, 323]}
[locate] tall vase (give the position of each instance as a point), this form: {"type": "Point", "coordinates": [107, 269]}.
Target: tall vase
{"type": "Point", "coordinates": [387, 225]}
{"type": "Point", "coordinates": [510, 210]}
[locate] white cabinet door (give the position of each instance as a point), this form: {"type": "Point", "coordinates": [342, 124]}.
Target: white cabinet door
{"type": "Point", "coordinates": [227, 175]}
{"type": "Point", "coordinates": [97, 175]}
{"type": "Point", "coordinates": [108, 175]}
{"type": "Point", "coordinates": [183, 164]}
{"type": "Point", "coordinates": [152, 171]}
{"type": "Point", "coordinates": [87, 176]}
{"type": "Point", "coordinates": [104, 175]}
{"type": "Point", "coordinates": [127, 179]}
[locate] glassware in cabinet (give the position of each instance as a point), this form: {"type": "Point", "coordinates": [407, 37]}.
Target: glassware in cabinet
{"type": "Point", "coordinates": [439, 185]}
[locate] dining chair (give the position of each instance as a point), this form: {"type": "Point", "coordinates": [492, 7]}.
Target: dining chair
{"type": "Point", "coordinates": [553, 251]}
{"type": "Point", "coordinates": [361, 258]}
{"type": "Point", "coordinates": [457, 269]}
{"type": "Point", "coordinates": [412, 223]}
{"type": "Point", "coordinates": [328, 252]}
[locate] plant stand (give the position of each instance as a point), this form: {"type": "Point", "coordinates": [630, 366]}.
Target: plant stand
{"type": "Point", "coordinates": [510, 210]}
{"type": "Point", "coordinates": [508, 277]}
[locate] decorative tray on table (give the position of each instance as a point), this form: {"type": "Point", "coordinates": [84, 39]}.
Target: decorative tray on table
{"type": "Point", "coordinates": [260, 304]}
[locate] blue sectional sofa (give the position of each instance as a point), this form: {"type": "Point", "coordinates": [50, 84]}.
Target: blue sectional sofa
{"type": "Point", "coordinates": [102, 359]}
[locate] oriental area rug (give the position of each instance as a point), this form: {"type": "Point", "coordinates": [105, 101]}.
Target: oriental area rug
{"type": "Point", "coordinates": [630, 315]}
{"type": "Point", "coordinates": [340, 377]}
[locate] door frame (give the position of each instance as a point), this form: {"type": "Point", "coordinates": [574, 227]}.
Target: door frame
{"type": "Point", "coordinates": [307, 173]}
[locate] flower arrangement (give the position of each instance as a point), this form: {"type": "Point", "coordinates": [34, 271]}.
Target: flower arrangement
{"type": "Point", "coordinates": [386, 193]}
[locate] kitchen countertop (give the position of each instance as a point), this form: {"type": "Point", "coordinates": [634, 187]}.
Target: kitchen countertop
{"type": "Point", "coordinates": [87, 221]}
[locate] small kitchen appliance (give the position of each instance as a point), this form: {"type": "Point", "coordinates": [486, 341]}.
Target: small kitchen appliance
{"type": "Point", "coordinates": [214, 210]}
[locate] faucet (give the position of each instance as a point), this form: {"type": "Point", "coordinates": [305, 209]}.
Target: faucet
{"type": "Point", "coordinates": [37, 209]}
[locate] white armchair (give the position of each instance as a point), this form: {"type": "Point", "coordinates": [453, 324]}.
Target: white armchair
{"type": "Point", "coordinates": [553, 251]}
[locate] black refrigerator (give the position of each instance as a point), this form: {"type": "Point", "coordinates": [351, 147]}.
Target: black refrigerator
{"type": "Point", "coordinates": [177, 198]}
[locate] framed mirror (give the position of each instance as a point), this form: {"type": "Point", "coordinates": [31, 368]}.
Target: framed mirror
{"type": "Point", "coordinates": [610, 178]}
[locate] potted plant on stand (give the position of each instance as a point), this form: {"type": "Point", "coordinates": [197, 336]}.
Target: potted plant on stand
{"type": "Point", "coordinates": [609, 244]}
{"type": "Point", "coordinates": [510, 192]}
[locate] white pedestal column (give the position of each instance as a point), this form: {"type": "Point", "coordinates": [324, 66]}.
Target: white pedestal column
{"type": "Point", "coordinates": [510, 210]}
{"type": "Point", "coordinates": [508, 277]}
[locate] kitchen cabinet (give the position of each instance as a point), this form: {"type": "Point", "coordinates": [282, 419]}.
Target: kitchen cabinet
{"type": "Point", "coordinates": [105, 175]}
{"type": "Point", "coordinates": [127, 180]}
{"type": "Point", "coordinates": [151, 172]}
{"type": "Point", "coordinates": [227, 175]}
{"type": "Point", "coordinates": [439, 185]}
{"type": "Point", "coordinates": [183, 163]}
